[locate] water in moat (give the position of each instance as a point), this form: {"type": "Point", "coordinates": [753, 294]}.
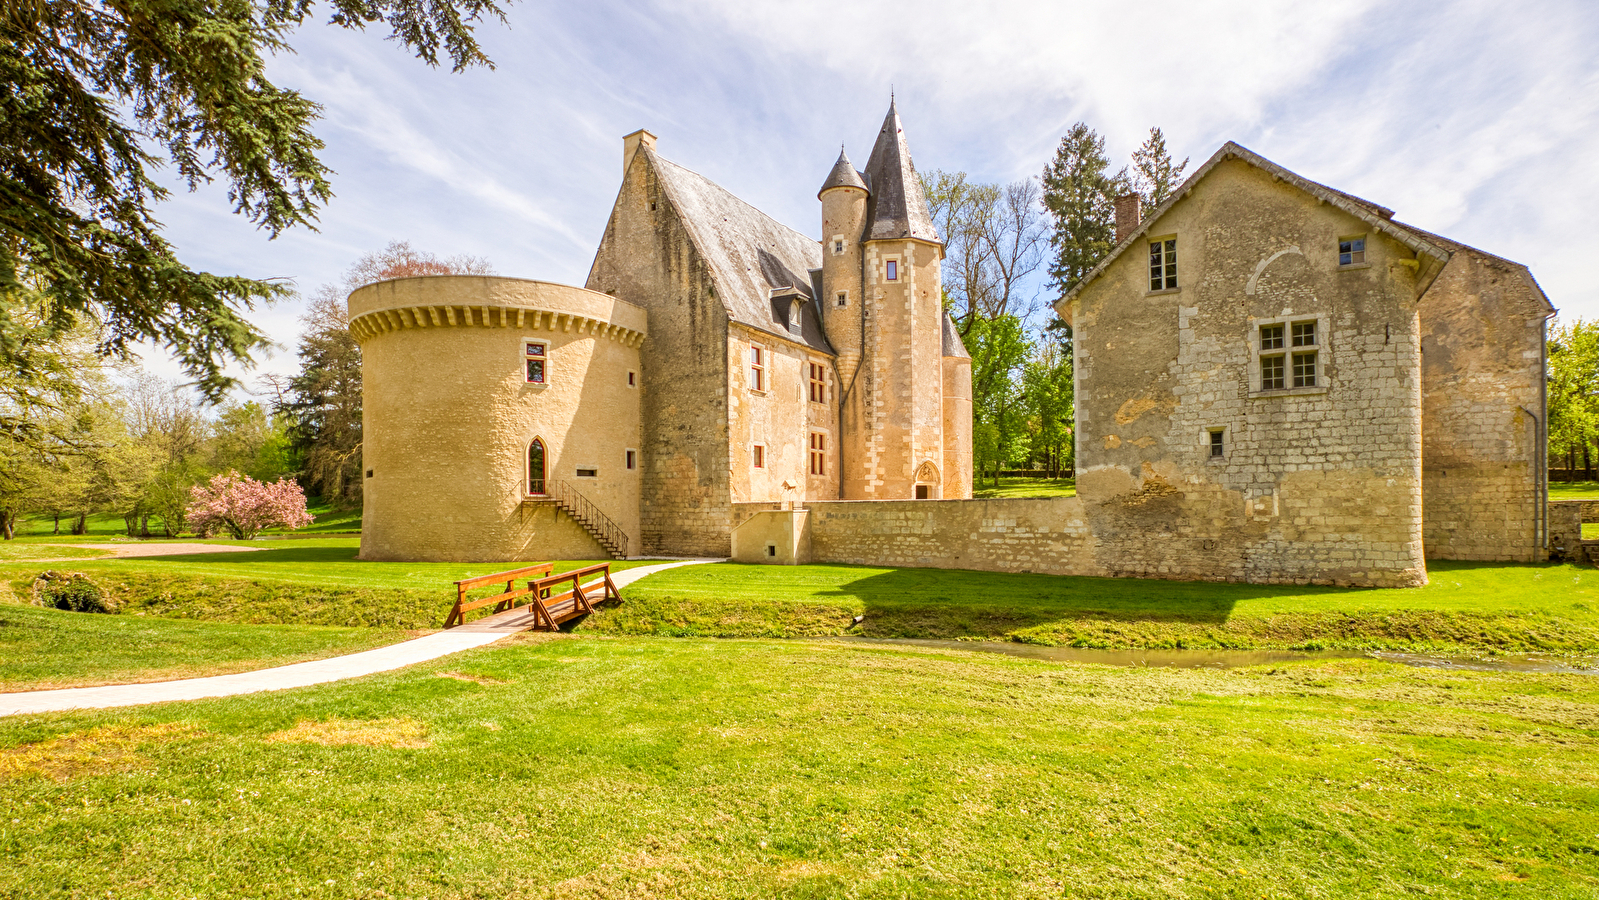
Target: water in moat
{"type": "Point", "coordinates": [1227, 659]}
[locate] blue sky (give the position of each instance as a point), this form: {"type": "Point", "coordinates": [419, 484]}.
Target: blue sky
{"type": "Point", "coordinates": [1479, 120]}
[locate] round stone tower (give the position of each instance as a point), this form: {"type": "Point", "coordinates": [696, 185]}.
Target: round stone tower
{"type": "Point", "coordinates": [500, 420]}
{"type": "Point", "coordinates": [843, 197]}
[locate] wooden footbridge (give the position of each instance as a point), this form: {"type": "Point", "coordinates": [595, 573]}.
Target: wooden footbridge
{"type": "Point", "coordinates": [546, 601]}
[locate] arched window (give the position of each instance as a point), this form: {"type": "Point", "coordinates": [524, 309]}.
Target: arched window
{"type": "Point", "coordinates": [535, 467]}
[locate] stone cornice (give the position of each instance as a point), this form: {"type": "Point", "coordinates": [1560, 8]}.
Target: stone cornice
{"type": "Point", "coordinates": [382, 321]}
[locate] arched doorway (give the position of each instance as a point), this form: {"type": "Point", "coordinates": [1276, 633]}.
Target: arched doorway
{"type": "Point", "coordinates": [535, 467]}
{"type": "Point", "coordinates": [927, 481]}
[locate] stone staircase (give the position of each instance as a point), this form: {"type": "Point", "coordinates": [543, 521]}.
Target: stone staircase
{"type": "Point", "coordinates": [599, 526]}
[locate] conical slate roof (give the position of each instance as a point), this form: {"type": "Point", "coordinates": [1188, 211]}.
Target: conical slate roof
{"type": "Point", "coordinates": [843, 175]}
{"type": "Point", "coordinates": [897, 207]}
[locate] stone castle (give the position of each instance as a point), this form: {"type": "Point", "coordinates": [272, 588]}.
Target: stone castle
{"type": "Point", "coordinates": [1275, 382]}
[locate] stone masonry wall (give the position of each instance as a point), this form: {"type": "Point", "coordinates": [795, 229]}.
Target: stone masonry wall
{"type": "Point", "coordinates": [647, 257]}
{"type": "Point", "coordinates": [781, 418]}
{"type": "Point", "coordinates": [1318, 484]}
{"type": "Point", "coordinates": [1482, 371]}
{"type": "Point", "coordinates": [1047, 536]}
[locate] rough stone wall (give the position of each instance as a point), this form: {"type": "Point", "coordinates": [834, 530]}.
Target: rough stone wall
{"type": "Point", "coordinates": [1565, 527]}
{"type": "Point", "coordinates": [901, 374]}
{"type": "Point", "coordinates": [1048, 536]}
{"type": "Point", "coordinates": [449, 415]}
{"type": "Point", "coordinates": [1482, 327]}
{"type": "Point", "coordinates": [646, 257]}
{"type": "Point", "coordinates": [781, 417]}
{"type": "Point", "coordinates": [1315, 485]}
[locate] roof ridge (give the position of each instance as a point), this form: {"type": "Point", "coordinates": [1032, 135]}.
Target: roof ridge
{"type": "Point", "coordinates": [736, 198]}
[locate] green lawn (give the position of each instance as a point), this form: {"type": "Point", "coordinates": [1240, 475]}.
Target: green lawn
{"type": "Point", "coordinates": [48, 648]}
{"type": "Point", "coordinates": [1467, 606]}
{"type": "Point", "coordinates": [1574, 490]}
{"type": "Point", "coordinates": [641, 767]}
{"type": "Point", "coordinates": [1010, 488]}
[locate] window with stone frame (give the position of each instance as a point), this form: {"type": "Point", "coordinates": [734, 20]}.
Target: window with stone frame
{"type": "Point", "coordinates": [537, 355]}
{"type": "Point", "coordinates": [1218, 443]}
{"type": "Point", "coordinates": [757, 367]}
{"type": "Point", "coordinates": [1163, 264]}
{"type": "Point", "coordinates": [758, 456]}
{"type": "Point", "coordinates": [891, 270]}
{"type": "Point", "coordinates": [1352, 251]}
{"type": "Point", "coordinates": [843, 299]}
{"type": "Point", "coordinates": [818, 380]}
{"type": "Point", "coordinates": [818, 453]}
{"type": "Point", "coordinates": [1288, 355]}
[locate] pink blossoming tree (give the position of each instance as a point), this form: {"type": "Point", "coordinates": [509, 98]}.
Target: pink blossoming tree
{"type": "Point", "coordinates": [243, 506]}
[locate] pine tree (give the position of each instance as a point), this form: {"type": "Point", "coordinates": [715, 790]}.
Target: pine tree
{"type": "Point", "coordinates": [1154, 175]}
{"type": "Point", "coordinates": [1080, 195]}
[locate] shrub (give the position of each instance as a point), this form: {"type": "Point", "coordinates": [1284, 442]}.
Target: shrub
{"type": "Point", "coordinates": [244, 507]}
{"type": "Point", "coordinates": [72, 591]}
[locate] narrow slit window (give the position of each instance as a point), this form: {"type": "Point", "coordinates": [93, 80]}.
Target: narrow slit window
{"type": "Point", "coordinates": [759, 456]}
{"type": "Point", "coordinates": [892, 268]}
{"type": "Point", "coordinates": [587, 472]}
{"type": "Point", "coordinates": [535, 467]}
{"type": "Point", "coordinates": [536, 357]}
{"type": "Point", "coordinates": [757, 368]}
{"type": "Point", "coordinates": [632, 379]}
{"type": "Point", "coordinates": [1352, 251]}
{"type": "Point", "coordinates": [818, 453]}
{"type": "Point", "coordinates": [1218, 443]}
{"type": "Point", "coordinates": [1163, 265]}
{"type": "Point", "coordinates": [1305, 369]}
{"type": "Point", "coordinates": [631, 458]}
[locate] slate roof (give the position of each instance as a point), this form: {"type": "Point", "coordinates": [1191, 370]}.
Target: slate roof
{"type": "Point", "coordinates": [1380, 218]}
{"type": "Point", "coordinates": [897, 207]}
{"type": "Point", "coordinates": [953, 345]}
{"type": "Point", "coordinates": [843, 175]}
{"type": "Point", "coordinates": [748, 252]}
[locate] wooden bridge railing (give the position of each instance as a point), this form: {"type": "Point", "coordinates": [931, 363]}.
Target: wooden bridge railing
{"type": "Point", "coordinates": [549, 609]}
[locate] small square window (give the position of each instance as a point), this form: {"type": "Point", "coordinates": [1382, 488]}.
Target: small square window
{"type": "Point", "coordinates": [1304, 334]}
{"type": "Point", "coordinates": [838, 248]}
{"type": "Point", "coordinates": [843, 299]}
{"type": "Point", "coordinates": [892, 269]}
{"type": "Point", "coordinates": [1272, 373]}
{"type": "Point", "coordinates": [631, 459]}
{"type": "Point", "coordinates": [536, 356]}
{"type": "Point", "coordinates": [585, 472]}
{"type": "Point", "coordinates": [1271, 337]}
{"type": "Point", "coordinates": [759, 453]}
{"type": "Point", "coordinates": [1304, 369]}
{"type": "Point", "coordinates": [1218, 443]}
{"type": "Point", "coordinates": [1351, 251]}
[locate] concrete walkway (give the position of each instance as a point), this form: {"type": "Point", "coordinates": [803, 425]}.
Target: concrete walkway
{"type": "Point", "coordinates": [467, 637]}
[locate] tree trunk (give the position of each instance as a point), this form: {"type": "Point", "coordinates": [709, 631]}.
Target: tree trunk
{"type": "Point", "coordinates": [1587, 464]}
{"type": "Point", "coordinates": [58, 524]}
{"type": "Point", "coordinates": [82, 525]}
{"type": "Point", "coordinates": [8, 523]}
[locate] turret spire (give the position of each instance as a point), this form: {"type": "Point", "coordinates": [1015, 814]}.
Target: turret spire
{"type": "Point", "coordinates": [898, 203]}
{"type": "Point", "coordinates": [843, 175]}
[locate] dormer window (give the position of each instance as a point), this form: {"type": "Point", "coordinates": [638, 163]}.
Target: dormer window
{"type": "Point", "coordinates": [891, 270]}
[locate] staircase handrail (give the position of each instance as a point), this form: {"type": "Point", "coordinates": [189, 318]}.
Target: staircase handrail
{"type": "Point", "coordinates": [590, 516]}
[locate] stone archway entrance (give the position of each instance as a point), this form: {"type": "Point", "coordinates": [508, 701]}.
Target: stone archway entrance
{"type": "Point", "coordinates": [927, 482]}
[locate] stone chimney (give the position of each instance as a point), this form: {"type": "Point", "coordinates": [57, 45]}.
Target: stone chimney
{"type": "Point", "coordinates": [632, 142]}
{"type": "Point", "coordinates": [1128, 215]}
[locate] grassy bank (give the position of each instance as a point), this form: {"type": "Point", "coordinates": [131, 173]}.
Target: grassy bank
{"type": "Point", "coordinates": [48, 648]}
{"type": "Point", "coordinates": [1467, 606]}
{"type": "Point", "coordinates": [643, 767]}
{"type": "Point", "coordinates": [1013, 488]}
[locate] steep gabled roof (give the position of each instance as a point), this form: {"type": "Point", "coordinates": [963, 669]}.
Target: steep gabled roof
{"type": "Point", "coordinates": [1380, 218]}
{"type": "Point", "coordinates": [897, 207]}
{"type": "Point", "coordinates": [1455, 246]}
{"type": "Point", "coordinates": [749, 253]}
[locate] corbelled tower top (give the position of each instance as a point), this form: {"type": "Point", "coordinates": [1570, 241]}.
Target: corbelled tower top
{"type": "Point", "coordinates": [898, 206]}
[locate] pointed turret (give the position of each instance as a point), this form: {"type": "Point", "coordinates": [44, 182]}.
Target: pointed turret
{"type": "Point", "coordinates": [843, 175]}
{"type": "Point", "coordinates": [898, 207]}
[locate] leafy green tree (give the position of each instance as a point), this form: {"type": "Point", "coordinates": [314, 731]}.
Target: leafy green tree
{"type": "Point", "coordinates": [999, 348]}
{"type": "Point", "coordinates": [1047, 396]}
{"type": "Point", "coordinates": [1574, 392]}
{"type": "Point", "coordinates": [1154, 175]}
{"type": "Point", "coordinates": [251, 441]}
{"type": "Point", "coordinates": [94, 96]}
{"type": "Point", "coordinates": [1079, 193]}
